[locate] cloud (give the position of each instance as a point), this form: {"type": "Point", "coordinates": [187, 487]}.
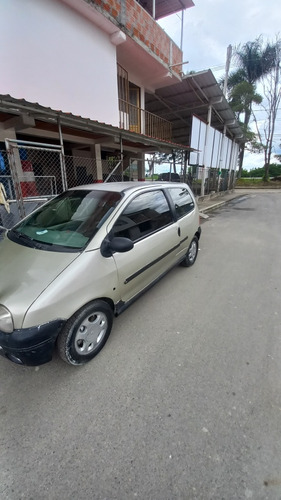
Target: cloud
{"type": "Point", "coordinates": [253, 160]}
{"type": "Point", "coordinates": [211, 26]}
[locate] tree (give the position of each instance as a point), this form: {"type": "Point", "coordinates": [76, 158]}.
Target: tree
{"type": "Point", "coordinates": [241, 98]}
{"type": "Point", "coordinates": [270, 105]}
{"type": "Point", "coordinates": [176, 157]}
{"type": "Point", "coordinates": [274, 171]}
{"type": "Point", "coordinates": [255, 60]}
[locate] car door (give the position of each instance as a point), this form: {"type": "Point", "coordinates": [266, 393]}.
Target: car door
{"type": "Point", "coordinates": [185, 209]}
{"type": "Point", "coordinates": [148, 221]}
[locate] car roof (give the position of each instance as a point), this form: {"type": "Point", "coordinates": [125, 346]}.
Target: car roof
{"type": "Point", "coordinates": [121, 187]}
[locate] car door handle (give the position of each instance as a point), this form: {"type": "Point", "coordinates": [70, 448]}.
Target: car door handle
{"type": "Point", "coordinates": [179, 231]}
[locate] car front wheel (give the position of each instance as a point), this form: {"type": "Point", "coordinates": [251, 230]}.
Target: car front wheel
{"type": "Point", "coordinates": [191, 253]}
{"type": "Point", "coordinates": [85, 333]}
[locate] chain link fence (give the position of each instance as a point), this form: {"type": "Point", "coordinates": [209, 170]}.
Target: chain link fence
{"type": "Point", "coordinates": [32, 173]}
{"type": "Point", "coordinates": [80, 170]}
{"type": "Point", "coordinates": [44, 173]}
{"type": "Point", "coordinates": [214, 180]}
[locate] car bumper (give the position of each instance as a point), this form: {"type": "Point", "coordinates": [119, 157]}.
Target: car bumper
{"type": "Point", "coordinates": [30, 346]}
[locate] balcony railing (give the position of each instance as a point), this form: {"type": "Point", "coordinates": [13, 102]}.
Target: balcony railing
{"type": "Point", "coordinates": [141, 121]}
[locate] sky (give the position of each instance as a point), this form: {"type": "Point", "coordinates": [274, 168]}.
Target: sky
{"type": "Point", "coordinates": [211, 26]}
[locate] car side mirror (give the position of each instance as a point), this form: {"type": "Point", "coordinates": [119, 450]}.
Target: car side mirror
{"type": "Point", "coordinates": [116, 244]}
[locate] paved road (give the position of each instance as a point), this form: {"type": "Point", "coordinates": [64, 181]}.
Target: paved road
{"type": "Point", "coordinates": [184, 401]}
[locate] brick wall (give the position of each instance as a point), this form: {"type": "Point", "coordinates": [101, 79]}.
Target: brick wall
{"type": "Point", "coordinates": [129, 16]}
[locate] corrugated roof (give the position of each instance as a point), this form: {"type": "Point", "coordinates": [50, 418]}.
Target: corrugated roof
{"type": "Point", "coordinates": [16, 107]}
{"type": "Point", "coordinates": [193, 96]}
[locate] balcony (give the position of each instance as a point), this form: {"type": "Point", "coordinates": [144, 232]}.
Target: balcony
{"type": "Point", "coordinates": [139, 120]}
{"type": "Point", "coordinates": [140, 27]}
{"type": "Point", "coordinates": [161, 8]}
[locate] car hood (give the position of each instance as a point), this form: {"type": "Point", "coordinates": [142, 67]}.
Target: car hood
{"type": "Point", "coordinates": [25, 273]}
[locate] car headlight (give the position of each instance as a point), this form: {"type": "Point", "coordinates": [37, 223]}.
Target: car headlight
{"type": "Point", "coordinates": [6, 320]}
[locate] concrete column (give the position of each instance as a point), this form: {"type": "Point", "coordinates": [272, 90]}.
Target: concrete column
{"type": "Point", "coordinates": [142, 106]}
{"type": "Point", "coordinates": [230, 164]}
{"type": "Point", "coordinates": [141, 167]}
{"type": "Point", "coordinates": [98, 162]}
{"type": "Point", "coordinates": [221, 155]}
{"type": "Point", "coordinates": [205, 147]}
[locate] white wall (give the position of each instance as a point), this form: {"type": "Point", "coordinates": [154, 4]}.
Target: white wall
{"type": "Point", "coordinates": [53, 56]}
{"type": "Point", "coordinates": [218, 152]}
{"type": "Point", "coordinates": [198, 134]}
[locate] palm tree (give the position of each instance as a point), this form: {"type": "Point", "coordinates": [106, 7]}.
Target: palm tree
{"type": "Point", "coordinates": [255, 60]}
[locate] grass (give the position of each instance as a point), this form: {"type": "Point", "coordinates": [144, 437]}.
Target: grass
{"type": "Point", "coordinates": [256, 182]}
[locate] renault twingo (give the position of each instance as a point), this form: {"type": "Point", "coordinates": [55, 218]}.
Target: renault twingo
{"type": "Point", "coordinates": [82, 258]}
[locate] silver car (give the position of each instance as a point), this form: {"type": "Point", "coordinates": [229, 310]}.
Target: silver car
{"type": "Point", "coordinates": [83, 257]}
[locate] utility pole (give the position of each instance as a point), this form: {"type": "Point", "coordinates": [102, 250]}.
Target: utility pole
{"type": "Point", "coordinates": [227, 66]}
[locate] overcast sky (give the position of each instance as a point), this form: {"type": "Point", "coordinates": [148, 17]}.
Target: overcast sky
{"type": "Point", "coordinates": [212, 25]}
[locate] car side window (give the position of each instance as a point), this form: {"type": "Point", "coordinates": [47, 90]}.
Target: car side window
{"type": "Point", "coordinates": [182, 201]}
{"type": "Point", "coordinates": [145, 214]}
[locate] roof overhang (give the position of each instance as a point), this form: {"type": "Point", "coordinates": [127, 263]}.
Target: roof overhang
{"type": "Point", "coordinates": [194, 95]}
{"type": "Point", "coordinates": [22, 115]}
{"type": "Point", "coordinates": [164, 8]}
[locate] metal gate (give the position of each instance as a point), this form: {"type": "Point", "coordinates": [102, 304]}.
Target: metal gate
{"type": "Point", "coordinates": [32, 172]}
{"type": "Point", "coordinates": [37, 171]}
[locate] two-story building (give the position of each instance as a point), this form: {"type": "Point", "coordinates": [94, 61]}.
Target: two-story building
{"type": "Point", "coordinates": [89, 87]}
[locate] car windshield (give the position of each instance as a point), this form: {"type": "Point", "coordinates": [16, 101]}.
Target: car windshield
{"type": "Point", "coordinates": [66, 223]}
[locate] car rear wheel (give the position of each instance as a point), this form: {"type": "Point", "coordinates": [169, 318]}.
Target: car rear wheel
{"type": "Point", "coordinates": [191, 253]}
{"type": "Point", "coordinates": [85, 333]}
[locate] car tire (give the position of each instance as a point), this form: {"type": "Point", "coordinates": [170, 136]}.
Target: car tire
{"type": "Point", "coordinates": [85, 333]}
{"type": "Point", "coordinates": [191, 253]}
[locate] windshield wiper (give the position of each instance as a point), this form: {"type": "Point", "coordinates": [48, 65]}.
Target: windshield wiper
{"type": "Point", "coordinates": [25, 239]}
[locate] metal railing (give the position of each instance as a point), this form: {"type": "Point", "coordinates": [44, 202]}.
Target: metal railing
{"type": "Point", "coordinates": [139, 120]}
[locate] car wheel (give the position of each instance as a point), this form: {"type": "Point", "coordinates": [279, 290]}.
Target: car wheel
{"type": "Point", "coordinates": [191, 253]}
{"type": "Point", "coordinates": [85, 333]}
